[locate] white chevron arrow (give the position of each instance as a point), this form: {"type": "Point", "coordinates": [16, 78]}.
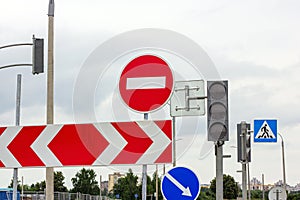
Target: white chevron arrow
{"type": "Point", "coordinates": [5, 139]}
{"type": "Point", "coordinates": [185, 191]}
{"type": "Point", "coordinates": [116, 143]}
{"type": "Point", "coordinates": [40, 145]}
{"type": "Point", "coordinates": [160, 142]}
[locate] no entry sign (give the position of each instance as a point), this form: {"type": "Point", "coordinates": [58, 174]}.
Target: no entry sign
{"type": "Point", "coordinates": [146, 83]}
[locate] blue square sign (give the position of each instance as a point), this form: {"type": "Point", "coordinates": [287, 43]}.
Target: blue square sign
{"type": "Point", "coordinates": [265, 130]}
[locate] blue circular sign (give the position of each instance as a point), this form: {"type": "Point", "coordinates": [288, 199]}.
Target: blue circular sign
{"type": "Point", "coordinates": [180, 183]}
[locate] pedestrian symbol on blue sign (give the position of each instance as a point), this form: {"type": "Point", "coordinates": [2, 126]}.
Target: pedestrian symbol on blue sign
{"type": "Point", "coordinates": [265, 130]}
{"type": "Point", "coordinates": [180, 183]}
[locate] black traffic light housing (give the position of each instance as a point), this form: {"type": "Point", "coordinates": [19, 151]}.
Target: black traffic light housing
{"type": "Point", "coordinates": [217, 111]}
{"type": "Point", "coordinates": [38, 56]}
{"type": "Point", "coordinates": [244, 142]}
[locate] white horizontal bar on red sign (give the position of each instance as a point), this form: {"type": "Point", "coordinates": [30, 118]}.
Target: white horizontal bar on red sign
{"type": "Point", "coordinates": [158, 82]}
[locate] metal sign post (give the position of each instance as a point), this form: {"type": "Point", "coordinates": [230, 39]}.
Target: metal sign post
{"type": "Point", "coordinates": [18, 105]}
{"type": "Point", "coordinates": [144, 174]}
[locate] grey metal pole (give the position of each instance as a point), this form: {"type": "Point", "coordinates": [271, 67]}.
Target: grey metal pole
{"type": "Point", "coordinates": [244, 181]}
{"type": "Point", "coordinates": [144, 174]}
{"type": "Point", "coordinates": [263, 186]}
{"type": "Point", "coordinates": [283, 162]}
{"type": "Point", "coordinates": [22, 182]}
{"type": "Point", "coordinates": [50, 85]}
{"type": "Point", "coordinates": [248, 174]}
{"type": "Point", "coordinates": [219, 170]}
{"type": "Point", "coordinates": [174, 142]}
{"type": "Point", "coordinates": [18, 99]}
{"type": "Point", "coordinates": [156, 183]}
{"type": "Point", "coordinates": [244, 158]}
{"type": "Point", "coordinates": [100, 187]}
{"type": "Point", "coordinates": [18, 105]}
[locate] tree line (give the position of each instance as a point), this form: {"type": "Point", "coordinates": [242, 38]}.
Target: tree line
{"type": "Point", "coordinates": [83, 182]}
{"type": "Point", "coordinates": [128, 187]}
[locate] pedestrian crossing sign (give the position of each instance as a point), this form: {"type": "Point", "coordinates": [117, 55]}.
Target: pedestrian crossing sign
{"type": "Point", "coordinates": [265, 130]}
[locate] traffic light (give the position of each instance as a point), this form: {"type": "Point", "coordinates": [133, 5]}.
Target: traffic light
{"type": "Point", "coordinates": [217, 110]}
{"type": "Point", "coordinates": [38, 56]}
{"type": "Point", "coordinates": [248, 145]}
{"type": "Point", "coordinates": [243, 142]}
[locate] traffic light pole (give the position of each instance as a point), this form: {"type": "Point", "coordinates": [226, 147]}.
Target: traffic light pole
{"type": "Point", "coordinates": [244, 180]}
{"type": "Point", "coordinates": [217, 125]}
{"type": "Point", "coordinates": [35, 70]}
{"type": "Point", "coordinates": [219, 169]}
{"type": "Point", "coordinates": [249, 182]}
{"type": "Point", "coordinates": [244, 159]}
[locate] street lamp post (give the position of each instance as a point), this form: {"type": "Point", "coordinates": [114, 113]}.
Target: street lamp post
{"type": "Point", "coordinates": [18, 95]}
{"type": "Point", "coordinates": [283, 162]}
{"type": "Point", "coordinates": [50, 83]}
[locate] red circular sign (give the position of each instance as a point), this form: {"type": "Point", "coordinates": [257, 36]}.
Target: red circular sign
{"type": "Point", "coordinates": [146, 83]}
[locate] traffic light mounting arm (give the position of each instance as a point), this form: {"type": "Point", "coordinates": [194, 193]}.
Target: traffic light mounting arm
{"type": "Point", "coordinates": [37, 55]}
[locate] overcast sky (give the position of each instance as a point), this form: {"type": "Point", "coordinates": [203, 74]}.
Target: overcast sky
{"type": "Point", "coordinates": [253, 44]}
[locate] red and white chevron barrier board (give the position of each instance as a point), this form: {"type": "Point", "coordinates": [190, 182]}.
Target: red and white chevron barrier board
{"type": "Point", "coordinates": [141, 142]}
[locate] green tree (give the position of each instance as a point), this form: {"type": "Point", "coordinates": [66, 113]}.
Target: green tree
{"type": "Point", "coordinates": [59, 182]}
{"type": "Point", "coordinates": [152, 186]}
{"type": "Point", "coordinates": [127, 187]}
{"type": "Point", "coordinates": [230, 187]}
{"type": "Point", "coordinates": [25, 187]}
{"type": "Point", "coordinates": [206, 194]}
{"type": "Point", "coordinates": [18, 186]}
{"type": "Point", "coordinates": [39, 186]}
{"type": "Point", "coordinates": [293, 196]}
{"type": "Point", "coordinates": [85, 182]}
{"type": "Point", "coordinates": [256, 194]}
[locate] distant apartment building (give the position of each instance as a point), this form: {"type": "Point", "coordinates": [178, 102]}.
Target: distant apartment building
{"type": "Point", "coordinates": [255, 184]}
{"type": "Point", "coordinates": [296, 188]}
{"type": "Point", "coordinates": [113, 179]}
{"type": "Point", "coordinates": [104, 186]}
{"type": "Point", "coordinates": [205, 185]}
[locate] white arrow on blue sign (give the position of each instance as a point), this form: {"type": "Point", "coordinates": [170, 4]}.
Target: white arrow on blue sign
{"type": "Point", "coordinates": [265, 130]}
{"type": "Point", "coordinates": [180, 183]}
